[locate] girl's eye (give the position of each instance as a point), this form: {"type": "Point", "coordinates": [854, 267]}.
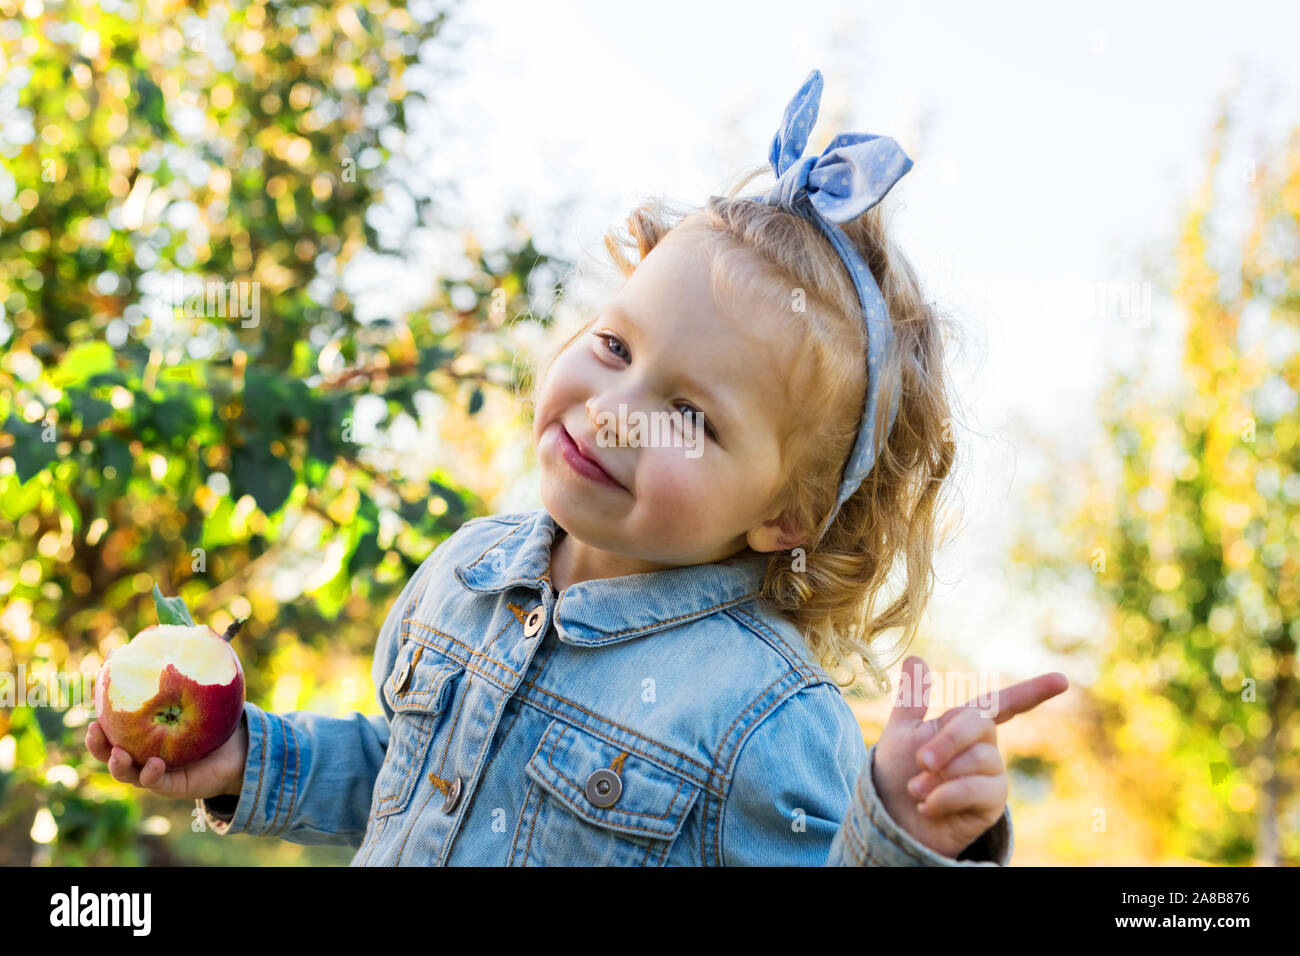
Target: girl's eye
{"type": "Point", "coordinates": [606, 338]}
{"type": "Point", "coordinates": [708, 427]}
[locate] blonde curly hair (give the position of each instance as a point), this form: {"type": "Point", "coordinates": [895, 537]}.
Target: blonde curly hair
{"type": "Point", "coordinates": [828, 589]}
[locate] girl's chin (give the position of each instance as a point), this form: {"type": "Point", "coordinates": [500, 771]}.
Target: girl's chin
{"type": "Point", "coordinates": [572, 498]}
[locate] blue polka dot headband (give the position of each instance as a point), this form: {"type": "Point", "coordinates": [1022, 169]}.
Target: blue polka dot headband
{"type": "Point", "coordinates": [852, 174]}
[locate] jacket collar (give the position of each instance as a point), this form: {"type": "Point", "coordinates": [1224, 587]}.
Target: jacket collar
{"type": "Point", "coordinates": [608, 610]}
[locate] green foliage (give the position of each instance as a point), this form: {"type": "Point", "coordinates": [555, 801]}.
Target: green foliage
{"type": "Point", "coordinates": [181, 367]}
{"type": "Point", "coordinates": [1195, 547]}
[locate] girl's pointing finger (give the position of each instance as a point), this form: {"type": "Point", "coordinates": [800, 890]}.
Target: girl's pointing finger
{"type": "Point", "coordinates": [1026, 695]}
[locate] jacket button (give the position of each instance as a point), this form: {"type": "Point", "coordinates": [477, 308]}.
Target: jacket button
{"type": "Point", "coordinates": [403, 676]}
{"type": "Point", "coordinates": [533, 623]}
{"type": "Point", "coordinates": [453, 795]}
{"type": "Point", "coordinates": [604, 787]}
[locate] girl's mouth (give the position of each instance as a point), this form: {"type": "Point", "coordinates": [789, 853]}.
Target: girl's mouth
{"type": "Point", "coordinates": [580, 463]}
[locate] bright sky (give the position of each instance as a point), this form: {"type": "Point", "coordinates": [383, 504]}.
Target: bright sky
{"type": "Point", "coordinates": [1054, 147]}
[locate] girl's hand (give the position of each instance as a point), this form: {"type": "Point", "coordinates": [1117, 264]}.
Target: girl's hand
{"type": "Point", "coordinates": [221, 771]}
{"type": "Point", "coordinates": [964, 791]}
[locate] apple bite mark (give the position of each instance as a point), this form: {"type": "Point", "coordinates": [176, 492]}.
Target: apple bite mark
{"type": "Point", "coordinates": [173, 692]}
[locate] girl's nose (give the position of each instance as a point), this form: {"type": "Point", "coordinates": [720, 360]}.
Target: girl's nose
{"type": "Point", "coordinates": [603, 413]}
{"type": "Point", "coordinates": [603, 425]}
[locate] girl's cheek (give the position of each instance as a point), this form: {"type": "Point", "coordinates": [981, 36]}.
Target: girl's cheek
{"type": "Point", "coordinates": [679, 480]}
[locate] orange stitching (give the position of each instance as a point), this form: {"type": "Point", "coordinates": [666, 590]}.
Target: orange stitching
{"type": "Point", "coordinates": [279, 796]}
{"type": "Point", "coordinates": [423, 737]}
{"type": "Point", "coordinates": [504, 628]}
{"type": "Point", "coordinates": [704, 829]}
{"type": "Point", "coordinates": [541, 666]}
{"type": "Point", "coordinates": [760, 625]}
{"type": "Point", "coordinates": [379, 832]}
{"type": "Point", "coordinates": [519, 612]}
{"type": "Point", "coordinates": [468, 666]}
{"type": "Point", "coordinates": [617, 765]}
{"type": "Point", "coordinates": [442, 673]}
{"type": "Point", "coordinates": [491, 678]}
{"type": "Point", "coordinates": [262, 723]}
{"type": "Point", "coordinates": [531, 824]}
{"type": "Point", "coordinates": [494, 544]}
{"type": "Point", "coordinates": [422, 732]}
{"type": "Point", "coordinates": [663, 857]}
{"type": "Point", "coordinates": [630, 813]}
{"type": "Point", "coordinates": [451, 734]}
{"type": "Point", "coordinates": [605, 720]}
{"type": "Point", "coordinates": [514, 842]}
{"type": "Point", "coordinates": [851, 838]}
{"type": "Point", "coordinates": [862, 847]}
{"type": "Point", "coordinates": [473, 652]}
{"type": "Point", "coordinates": [293, 791]}
{"type": "Point", "coordinates": [628, 826]}
{"type": "Point", "coordinates": [297, 766]}
{"type": "Point", "coordinates": [418, 623]}
{"type": "Point", "coordinates": [419, 649]}
{"type": "Point", "coordinates": [568, 718]}
{"type": "Point", "coordinates": [669, 620]}
{"type": "Point", "coordinates": [748, 707]}
{"type": "Point", "coordinates": [907, 851]}
{"type": "Point", "coordinates": [443, 785]}
{"type": "Point", "coordinates": [757, 720]}
{"type": "Point", "coordinates": [415, 816]}
{"type": "Point", "coordinates": [709, 771]}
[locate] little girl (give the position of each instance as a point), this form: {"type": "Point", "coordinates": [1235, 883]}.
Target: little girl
{"type": "Point", "coordinates": [637, 672]}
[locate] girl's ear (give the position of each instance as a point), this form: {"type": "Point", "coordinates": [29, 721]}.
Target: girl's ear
{"type": "Point", "coordinates": [779, 534]}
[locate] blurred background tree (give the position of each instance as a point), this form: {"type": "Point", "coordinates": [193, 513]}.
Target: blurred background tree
{"type": "Point", "coordinates": [1188, 524]}
{"type": "Point", "coordinates": [154, 154]}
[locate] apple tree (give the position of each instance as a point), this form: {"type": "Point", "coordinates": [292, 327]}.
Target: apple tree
{"type": "Point", "coordinates": [186, 191]}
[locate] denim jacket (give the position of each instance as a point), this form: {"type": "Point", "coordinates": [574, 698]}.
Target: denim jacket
{"type": "Point", "coordinates": [653, 719]}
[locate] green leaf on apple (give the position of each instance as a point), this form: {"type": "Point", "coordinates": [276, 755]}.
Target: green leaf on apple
{"type": "Point", "coordinates": [171, 610]}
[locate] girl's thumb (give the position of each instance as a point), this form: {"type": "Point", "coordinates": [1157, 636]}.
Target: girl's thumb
{"type": "Point", "coordinates": [913, 697]}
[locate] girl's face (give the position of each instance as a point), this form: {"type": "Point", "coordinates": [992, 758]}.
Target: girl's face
{"type": "Point", "coordinates": [685, 491]}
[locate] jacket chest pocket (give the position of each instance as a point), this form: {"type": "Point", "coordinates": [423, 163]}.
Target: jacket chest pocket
{"type": "Point", "coordinates": [593, 803]}
{"type": "Point", "coordinates": [418, 689]}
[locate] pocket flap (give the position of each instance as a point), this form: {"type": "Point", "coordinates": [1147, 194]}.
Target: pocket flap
{"type": "Point", "coordinates": [651, 801]}
{"type": "Point", "coordinates": [418, 678]}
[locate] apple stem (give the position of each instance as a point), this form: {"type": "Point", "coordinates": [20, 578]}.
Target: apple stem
{"type": "Point", "coordinates": [233, 629]}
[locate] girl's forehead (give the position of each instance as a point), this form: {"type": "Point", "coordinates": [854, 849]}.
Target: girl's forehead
{"type": "Point", "coordinates": [688, 311]}
{"type": "Point", "coordinates": [700, 274]}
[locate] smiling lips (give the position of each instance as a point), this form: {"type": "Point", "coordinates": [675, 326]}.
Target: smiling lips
{"type": "Point", "coordinates": [582, 464]}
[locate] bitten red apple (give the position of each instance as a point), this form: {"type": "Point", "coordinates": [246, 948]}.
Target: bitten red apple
{"type": "Point", "coordinates": [173, 692]}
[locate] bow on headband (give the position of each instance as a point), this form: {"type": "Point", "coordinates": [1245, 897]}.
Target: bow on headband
{"type": "Point", "coordinates": [851, 175]}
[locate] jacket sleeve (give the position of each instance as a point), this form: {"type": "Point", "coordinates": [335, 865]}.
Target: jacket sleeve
{"type": "Point", "coordinates": [802, 794]}
{"type": "Point", "coordinates": [792, 782]}
{"type": "Point", "coordinates": [869, 837]}
{"type": "Point", "coordinates": [310, 778]}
